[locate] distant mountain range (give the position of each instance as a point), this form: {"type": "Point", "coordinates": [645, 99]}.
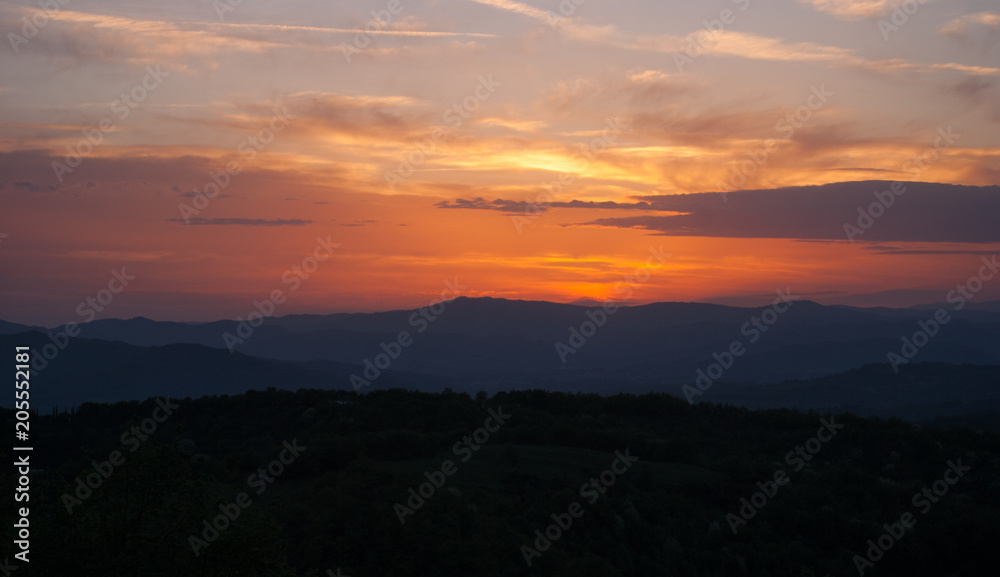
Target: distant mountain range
{"type": "Point", "coordinates": [918, 392]}
{"type": "Point", "coordinates": [490, 344]}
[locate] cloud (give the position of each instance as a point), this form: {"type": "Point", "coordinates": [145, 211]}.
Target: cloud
{"type": "Point", "coordinates": [879, 248]}
{"type": "Point", "coordinates": [926, 212]}
{"type": "Point", "coordinates": [865, 169]}
{"type": "Point", "coordinates": [980, 30]}
{"type": "Point", "coordinates": [524, 9]}
{"type": "Point", "coordinates": [32, 187]}
{"type": "Point", "coordinates": [406, 27]}
{"type": "Point", "coordinates": [755, 47]}
{"type": "Point", "coordinates": [360, 117]}
{"type": "Point", "coordinates": [120, 256]}
{"type": "Point", "coordinates": [973, 88]}
{"type": "Point", "coordinates": [520, 206]}
{"type": "Point", "coordinates": [651, 92]}
{"type": "Point", "coordinates": [102, 37]}
{"type": "Point", "coordinates": [853, 9]}
{"type": "Point", "coordinates": [243, 221]}
{"type": "Point", "coordinates": [35, 166]}
{"type": "Point", "coordinates": [516, 125]}
{"type": "Point", "coordinates": [480, 203]}
{"type": "Point", "coordinates": [648, 76]}
{"type": "Point", "coordinates": [743, 44]}
{"type": "Point", "coordinates": [193, 194]}
{"type": "Point", "coordinates": [959, 28]}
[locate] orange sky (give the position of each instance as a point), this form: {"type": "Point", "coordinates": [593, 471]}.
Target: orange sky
{"type": "Point", "coordinates": [491, 100]}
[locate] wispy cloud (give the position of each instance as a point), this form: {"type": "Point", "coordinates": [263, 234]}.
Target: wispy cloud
{"type": "Point", "coordinates": [35, 187]}
{"type": "Point", "coordinates": [94, 36]}
{"type": "Point", "coordinates": [243, 221]}
{"type": "Point", "coordinates": [747, 45]}
{"type": "Point", "coordinates": [520, 206]}
{"type": "Point", "coordinates": [853, 9]}
{"type": "Point", "coordinates": [961, 23]}
{"type": "Point", "coordinates": [517, 125]}
{"type": "Point", "coordinates": [396, 31]}
{"type": "Point", "coordinates": [983, 25]}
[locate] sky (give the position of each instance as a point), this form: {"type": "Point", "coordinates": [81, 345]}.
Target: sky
{"type": "Point", "coordinates": [846, 150]}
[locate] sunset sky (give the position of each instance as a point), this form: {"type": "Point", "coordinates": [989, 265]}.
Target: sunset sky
{"type": "Point", "coordinates": [423, 146]}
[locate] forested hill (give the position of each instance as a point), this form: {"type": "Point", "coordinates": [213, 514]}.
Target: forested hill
{"type": "Point", "coordinates": [348, 463]}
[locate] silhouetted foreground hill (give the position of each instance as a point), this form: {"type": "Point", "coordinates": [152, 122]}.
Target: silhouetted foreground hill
{"type": "Point", "coordinates": [286, 484]}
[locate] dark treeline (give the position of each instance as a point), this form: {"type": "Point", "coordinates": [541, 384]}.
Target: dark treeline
{"type": "Point", "coordinates": [333, 502]}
